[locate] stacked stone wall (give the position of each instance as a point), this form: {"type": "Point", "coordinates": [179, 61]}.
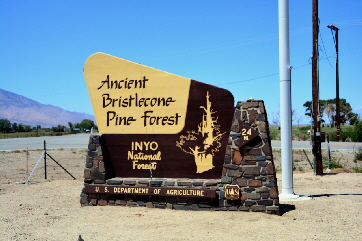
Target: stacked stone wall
{"type": "Point", "coordinates": [248, 169]}
{"type": "Point", "coordinates": [251, 166]}
{"type": "Point", "coordinates": [95, 169]}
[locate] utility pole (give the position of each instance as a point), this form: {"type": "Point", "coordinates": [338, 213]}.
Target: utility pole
{"type": "Point", "coordinates": [338, 121]}
{"type": "Point", "coordinates": [318, 170]}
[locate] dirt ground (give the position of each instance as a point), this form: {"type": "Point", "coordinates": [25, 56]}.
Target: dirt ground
{"type": "Point", "coordinates": [50, 210]}
{"type": "Point", "coordinates": [340, 161]}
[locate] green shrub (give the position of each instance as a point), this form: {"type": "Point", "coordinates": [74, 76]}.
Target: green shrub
{"type": "Point", "coordinates": [357, 137]}
{"type": "Point", "coordinates": [347, 133]}
{"type": "Point", "coordinates": [332, 135]}
{"type": "Point", "coordinates": [274, 133]}
{"type": "Point", "coordinates": [304, 128]}
{"type": "Point", "coordinates": [357, 169]}
{"type": "Point", "coordinates": [358, 155]}
{"type": "Point", "coordinates": [334, 164]}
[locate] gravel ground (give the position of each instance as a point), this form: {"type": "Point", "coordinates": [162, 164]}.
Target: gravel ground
{"type": "Point", "coordinates": [50, 210]}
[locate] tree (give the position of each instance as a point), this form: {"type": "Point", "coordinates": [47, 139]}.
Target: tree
{"type": "Point", "coordinates": [330, 112]}
{"type": "Point", "coordinates": [23, 128]}
{"type": "Point", "coordinates": [308, 110]}
{"type": "Point", "coordinates": [276, 119]}
{"type": "Point", "coordinates": [353, 118]}
{"type": "Point", "coordinates": [346, 115]}
{"type": "Point", "coordinates": [86, 124]}
{"type": "Point", "coordinates": [357, 130]}
{"type": "Point", "coordinates": [20, 127]}
{"type": "Point", "coordinates": [15, 127]}
{"type": "Point", "coordinates": [295, 117]}
{"type": "Point", "coordinates": [329, 108]}
{"type": "Point", "coordinates": [27, 128]}
{"type": "Point", "coordinates": [299, 119]}
{"type": "Point", "coordinates": [58, 128]}
{"type": "Point", "coordinates": [5, 125]}
{"type": "Point", "coordinates": [70, 126]}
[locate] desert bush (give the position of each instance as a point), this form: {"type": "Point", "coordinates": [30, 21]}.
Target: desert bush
{"type": "Point", "coordinates": [274, 133]}
{"type": "Point", "coordinates": [304, 128]}
{"type": "Point", "coordinates": [357, 169]}
{"type": "Point", "coordinates": [358, 155]}
{"type": "Point", "coordinates": [334, 163]}
{"type": "Point", "coordinates": [357, 137]}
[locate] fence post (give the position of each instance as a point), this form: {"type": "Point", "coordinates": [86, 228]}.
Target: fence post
{"type": "Point", "coordinates": [45, 161]}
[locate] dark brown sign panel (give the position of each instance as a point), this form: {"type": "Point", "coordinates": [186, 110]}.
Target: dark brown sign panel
{"type": "Point", "coordinates": [156, 124]}
{"type": "Point", "coordinates": [150, 191]}
{"type": "Point", "coordinates": [195, 152]}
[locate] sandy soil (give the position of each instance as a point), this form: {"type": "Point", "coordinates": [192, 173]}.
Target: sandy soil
{"type": "Point", "coordinates": [50, 210]}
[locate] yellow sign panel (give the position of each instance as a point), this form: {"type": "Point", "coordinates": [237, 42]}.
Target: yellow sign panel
{"type": "Point", "coordinates": [130, 98]}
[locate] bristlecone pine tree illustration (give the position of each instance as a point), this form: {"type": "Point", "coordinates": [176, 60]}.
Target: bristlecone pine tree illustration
{"type": "Point", "coordinates": [208, 134]}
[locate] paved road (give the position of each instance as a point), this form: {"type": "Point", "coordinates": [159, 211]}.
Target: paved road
{"type": "Point", "coordinates": [52, 142]}
{"type": "Point", "coordinates": [81, 141]}
{"type": "Point", "coordinates": [341, 146]}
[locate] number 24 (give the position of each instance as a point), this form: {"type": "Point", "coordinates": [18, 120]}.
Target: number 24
{"type": "Point", "coordinates": [245, 132]}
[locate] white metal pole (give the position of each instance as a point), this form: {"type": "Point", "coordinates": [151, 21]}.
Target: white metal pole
{"type": "Point", "coordinates": [285, 102]}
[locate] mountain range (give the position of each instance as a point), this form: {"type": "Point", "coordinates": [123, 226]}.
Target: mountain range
{"type": "Point", "coordinates": [19, 109]}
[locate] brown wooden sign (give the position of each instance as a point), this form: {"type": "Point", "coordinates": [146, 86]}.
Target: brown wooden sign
{"type": "Point", "coordinates": [157, 124]}
{"type": "Point", "coordinates": [247, 133]}
{"type": "Point", "coordinates": [150, 191]}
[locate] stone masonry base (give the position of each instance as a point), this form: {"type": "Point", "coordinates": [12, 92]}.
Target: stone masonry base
{"type": "Point", "coordinates": [248, 166]}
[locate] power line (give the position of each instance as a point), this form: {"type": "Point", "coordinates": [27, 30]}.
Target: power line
{"type": "Point", "coordinates": [240, 81]}
{"type": "Point", "coordinates": [230, 45]}
{"type": "Point", "coordinates": [269, 75]}
{"type": "Point", "coordinates": [334, 39]}
{"type": "Point", "coordinates": [324, 49]}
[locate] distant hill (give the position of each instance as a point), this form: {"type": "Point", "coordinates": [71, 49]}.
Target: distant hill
{"type": "Point", "coordinates": [19, 109]}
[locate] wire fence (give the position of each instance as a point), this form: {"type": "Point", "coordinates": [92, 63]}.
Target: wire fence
{"type": "Point", "coordinates": [29, 166]}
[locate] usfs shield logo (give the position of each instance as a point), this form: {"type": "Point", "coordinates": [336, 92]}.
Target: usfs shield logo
{"type": "Point", "coordinates": [232, 192]}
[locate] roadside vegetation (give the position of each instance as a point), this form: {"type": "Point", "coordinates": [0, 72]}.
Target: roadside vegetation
{"type": "Point", "coordinates": [349, 133]}
{"type": "Point", "coordinates": [18, 130]}
{"type": "Point", "coordinates": [350, 122]}
{"type": "Point", "coordinates": [303, 161]}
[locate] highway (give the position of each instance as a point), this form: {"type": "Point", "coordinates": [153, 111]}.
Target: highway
{"type": "Point", "coordinates": [81, 141]}
{"type": "Point", "coordinates": [52, 142]}
{"type": "Point", "coordinates": [340, 146]}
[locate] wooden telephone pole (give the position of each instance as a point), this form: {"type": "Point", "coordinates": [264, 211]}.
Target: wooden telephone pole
{"type": "Point", "coordinates": [315, 92]}
{"type": "Point", "coordinates": [338, 120]}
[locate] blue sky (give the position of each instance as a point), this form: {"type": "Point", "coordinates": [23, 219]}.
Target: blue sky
{"type": "Point", "coordinates": [230, 44]}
